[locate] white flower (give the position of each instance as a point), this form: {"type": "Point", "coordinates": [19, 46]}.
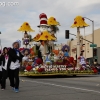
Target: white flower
{"type": "Point", "coordinates": [34, 69]}
{"type": "Point", "coordinates": [25, 70]}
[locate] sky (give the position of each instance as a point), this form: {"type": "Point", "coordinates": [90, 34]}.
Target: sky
{"type": "Point", "coordinates": [13, 13]}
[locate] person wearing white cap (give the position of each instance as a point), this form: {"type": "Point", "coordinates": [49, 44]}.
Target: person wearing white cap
{"type": "Point", "coordinates": [15, 58]}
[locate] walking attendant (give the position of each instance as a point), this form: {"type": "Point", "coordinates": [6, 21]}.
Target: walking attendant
{"type": "Point", "coordinates": [15, 58]}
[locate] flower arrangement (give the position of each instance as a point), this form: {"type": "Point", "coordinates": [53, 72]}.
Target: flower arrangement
{"type": "Point", "coordinates": [79, 22]}
{"type": "Point", "coordinates": [25, 27]}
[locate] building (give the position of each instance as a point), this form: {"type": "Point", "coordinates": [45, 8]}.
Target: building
{"type": "Point", "coordinates": [88, 51]}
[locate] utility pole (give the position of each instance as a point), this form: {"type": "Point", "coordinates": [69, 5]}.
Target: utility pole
{"type": "Point", "coordinates": [78, 45]}
{"type": "Point", "coordinates": [92, 35]}
{"type": "Point", "coordinates": [85, 42]}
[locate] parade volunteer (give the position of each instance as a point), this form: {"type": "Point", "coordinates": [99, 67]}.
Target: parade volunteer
{"type": "Point", "coordinates": [15, 58]}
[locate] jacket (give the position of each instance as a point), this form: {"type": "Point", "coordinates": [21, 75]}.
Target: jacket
{"type": "Point", "coordinates": [2, 61]}
{"type": "Point", "coordinates": [13, 57]}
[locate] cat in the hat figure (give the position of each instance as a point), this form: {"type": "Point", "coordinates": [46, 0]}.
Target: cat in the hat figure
{"type": "Point", "coordinates": [43, 23]}
{"type": "Point", "coordinates": [42, 27]}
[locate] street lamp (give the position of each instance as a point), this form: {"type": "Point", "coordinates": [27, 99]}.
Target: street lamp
{"type": "Point", "coordinates": [92, 32]}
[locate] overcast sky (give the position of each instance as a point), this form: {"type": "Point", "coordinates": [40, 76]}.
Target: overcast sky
{"type": "Point", "coordinates": [12, 17]}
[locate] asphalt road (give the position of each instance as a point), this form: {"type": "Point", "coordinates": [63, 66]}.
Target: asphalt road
{"type": "Point", "coordinates": [69, 88]}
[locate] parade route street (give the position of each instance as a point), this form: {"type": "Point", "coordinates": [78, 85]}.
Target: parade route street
{"type": "Point", "coordinates": [68, 88]}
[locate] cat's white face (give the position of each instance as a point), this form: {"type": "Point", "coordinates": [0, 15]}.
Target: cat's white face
{"type": "Point", "coordinates": [43, 28]}
{"type": "Point", "coordinates": [49, 29]}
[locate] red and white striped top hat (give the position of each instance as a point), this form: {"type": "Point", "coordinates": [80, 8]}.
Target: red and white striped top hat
{"type": "Point", "coordinates": [43, 19]}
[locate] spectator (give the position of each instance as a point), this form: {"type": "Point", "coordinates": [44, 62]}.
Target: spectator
{"type": "Point", "coordinates": [4, 62]}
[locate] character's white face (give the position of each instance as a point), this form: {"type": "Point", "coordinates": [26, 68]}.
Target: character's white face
{"type": "Point", "coordinates": [49, 29]}
{"type": "Point", "coordinates": [43, 28]}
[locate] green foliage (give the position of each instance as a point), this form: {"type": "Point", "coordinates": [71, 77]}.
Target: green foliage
{"type": "Point", "coordinates": [30, 37]}
{"type": "Point", "coordinates": [54, 28]}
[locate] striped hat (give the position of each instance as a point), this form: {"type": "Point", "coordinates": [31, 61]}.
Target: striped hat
{"type": "Point", "coordinates": [43, 19]}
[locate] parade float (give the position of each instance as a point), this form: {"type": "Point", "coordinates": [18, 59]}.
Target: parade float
{"type": "Point", "coordinates": [43, 61]}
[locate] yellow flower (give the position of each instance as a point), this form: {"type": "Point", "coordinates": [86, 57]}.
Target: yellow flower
{"type": "Point", "coordinates": [52, 21]}
{"type": "Point", "coordinates": [25, 27]}
{"type": "Point", "coordinates": [46, 36]}
{"type": "Point", "coordinates": [36, 69]}
{"type": "Point", "coordinates": [79, 22]}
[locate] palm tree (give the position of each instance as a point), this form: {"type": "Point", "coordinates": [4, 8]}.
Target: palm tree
{"type": "Point", "coordinates": [30, 38]}
{"type": "Point", "coordinates": [54, 28]}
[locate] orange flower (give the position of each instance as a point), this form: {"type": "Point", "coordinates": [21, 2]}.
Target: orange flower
{"type": "Point", "coordinates": [56, 52]}
{"type": "Point", "coordinates": [46, 36]}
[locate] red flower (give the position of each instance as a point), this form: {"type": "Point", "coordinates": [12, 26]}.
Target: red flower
{"type": "Point", "coordinates": [46, 36]}
{"type": "Point", "coordinates": [54, 19]}
{"type": "Point", "coordinates": [26, 23]}
{"type": "Point", "coordinates": [39, 61]}
{"type": "Point", "coordinates": [81, 69]}
{"type": "Point", "coordinates": [58, 69]}
{"type": "Point", "coordinates": [28, 68]}
{"type": "Point", "coordinates": [79, 57]}
{"type": "Point", "coordinates": [41, 70]}
{"type": "Point", "coordinates": [94, 70]}
{"type": "Point", "coordinates": [75, 22]}
{"type": "Point", "coordinates": [83, 19]}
